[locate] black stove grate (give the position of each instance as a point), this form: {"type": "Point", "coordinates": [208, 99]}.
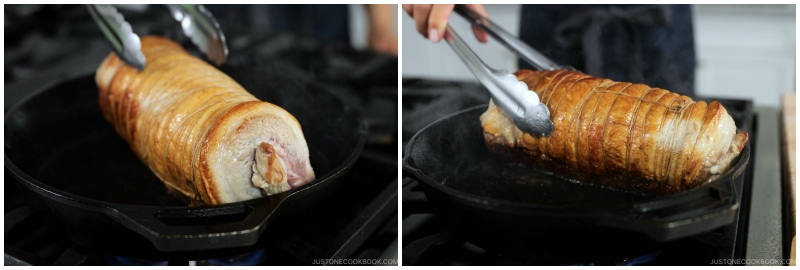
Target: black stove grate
{"type": "Point", "coordinates": [355, 226]}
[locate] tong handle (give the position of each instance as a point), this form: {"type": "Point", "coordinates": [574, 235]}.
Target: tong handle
{"type": "Point", "coordinates": [506, 98]}
{"type": "Point", "coordinates": [516, 104]}
{"type": "Point", "coordinates": [200, 26]}
{"type": "Point", "coordinates": [119, 33]}
{"type": "Point", "coordinates": [521, 49]}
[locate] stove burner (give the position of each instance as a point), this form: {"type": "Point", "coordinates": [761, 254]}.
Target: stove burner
{"type": "Point", "coordinates": [125, 261]}
{"type": "Point", "coordinates": [641, 260]}
{"type": "Point", "coordinates": [448, 248]}
{"type": "Point", "coordinates": [246, 259]}
{"type": "Point", "coordinates": [251, 258]}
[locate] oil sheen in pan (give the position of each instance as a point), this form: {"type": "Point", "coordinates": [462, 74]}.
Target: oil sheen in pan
{"type": "Point", "coordinates": [101, 166]}
{"type": "Point", "coordinates": [501, 179]}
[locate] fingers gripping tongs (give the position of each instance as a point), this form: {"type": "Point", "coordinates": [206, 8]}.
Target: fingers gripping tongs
{"type": "Point", "coordinates": [196, 21]}
{"type": "Point", "coordinates": [516, 102]}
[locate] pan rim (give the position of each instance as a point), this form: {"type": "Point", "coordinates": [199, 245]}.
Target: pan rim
{"type": "Point", "coordinates": [631, 221]}
{"type": "Point", "coordinates": [79, 200]}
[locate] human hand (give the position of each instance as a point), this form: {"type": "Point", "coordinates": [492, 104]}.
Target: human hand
{"type": "Point", "coordinates": [383, 42]}
{"type": "Point", "coordinates": [431, 20]}
{"type": "Point", "coordinates": [382, 37]}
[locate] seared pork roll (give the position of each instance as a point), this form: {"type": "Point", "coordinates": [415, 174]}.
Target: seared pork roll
{"type": "Point", "coordinates": [620, 135]}
{"type": "Point", "coordinates": [199, 131]}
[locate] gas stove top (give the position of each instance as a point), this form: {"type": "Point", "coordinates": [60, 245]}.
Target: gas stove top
{"type": "Point", "coordinates": [432, 236]}
{"type": "Point", "coordinates": [55, 43]}
{"type": "Point", "coordinates": [355, 227]}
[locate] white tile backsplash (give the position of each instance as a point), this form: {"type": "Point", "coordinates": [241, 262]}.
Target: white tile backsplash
{"type": "Point", "coordinates": [743, 51]}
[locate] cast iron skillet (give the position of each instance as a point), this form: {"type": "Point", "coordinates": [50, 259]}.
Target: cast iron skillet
{"type": "Point", "coordinates": [508, 199]}
{"type": "Point", "coordinates": [59, 147]}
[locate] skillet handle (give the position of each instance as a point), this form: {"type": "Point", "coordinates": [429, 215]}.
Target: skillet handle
{"type": "Point", "coordinates": [415, 196]}
{"type": "Point", "coordinates": [201, 228]}
{"type": "Point", "coordinates": [414, 201]}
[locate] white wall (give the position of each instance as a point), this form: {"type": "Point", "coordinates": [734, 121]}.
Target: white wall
{"type": "Point", "coordinates": [745, 51]}
{"type": "Point", "coordinates": [423, 59]}
{"type": "Point", "coordinates": [742, 51]}
{"type": "Point", "coordinates": [358, 25]}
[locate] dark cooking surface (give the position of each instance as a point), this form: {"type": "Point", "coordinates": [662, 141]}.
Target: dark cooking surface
{"type": "Point", "coordinates": [356, 226]}
{"type": "Point", "coordinates": [360, 224]}
{"type": "Point", "coordinates": [529, 185]}
{"type": "Point", "coordinates": [448, 156]}
{"type": "Point", "coordinates": [54, 138]}
{"type": "Point", "coordinates": [85, 156]}
{"type": "Point", "coordinates": [436, 236]}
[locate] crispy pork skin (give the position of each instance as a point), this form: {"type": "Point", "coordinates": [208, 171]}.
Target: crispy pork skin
{"type": "Point", "coordinates": [620, 135]}
{"type": "Point", "coordinates": [199, 131]}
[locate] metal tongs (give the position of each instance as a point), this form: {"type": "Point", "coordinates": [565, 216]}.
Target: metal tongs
{"type": "Point", "coordinates": [196, 21]}
{"type": "Point", "coordinates": [533, 119]}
